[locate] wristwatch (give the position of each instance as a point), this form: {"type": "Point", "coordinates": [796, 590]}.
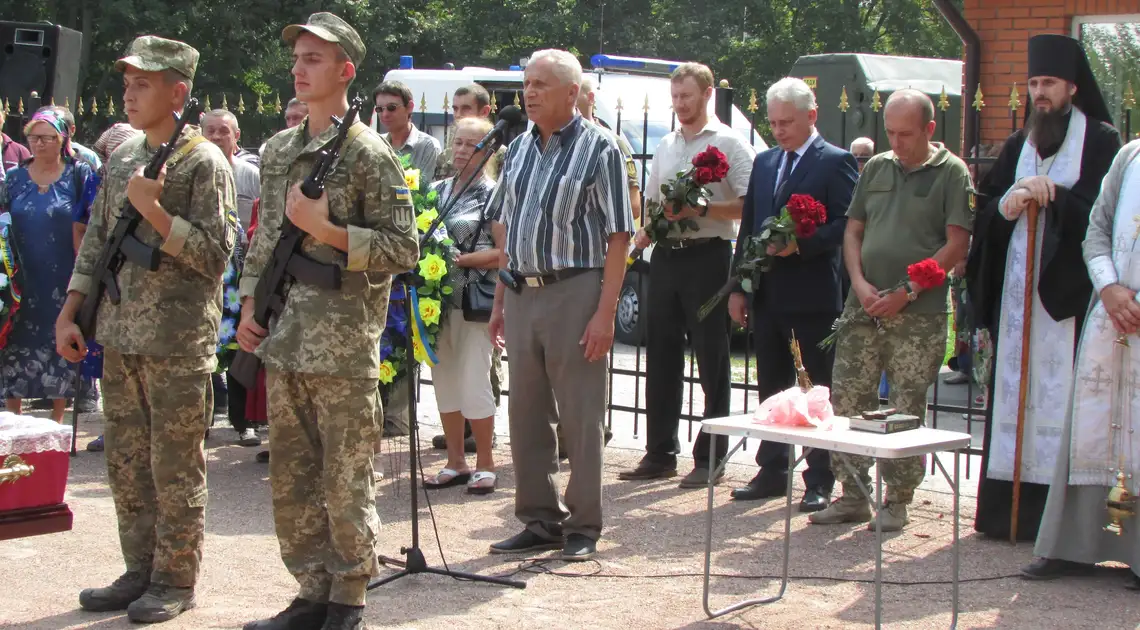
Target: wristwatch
{"type": "Point", "coordinates": [911, 295]}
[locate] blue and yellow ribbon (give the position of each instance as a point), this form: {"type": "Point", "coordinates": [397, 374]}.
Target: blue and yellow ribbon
{"type": "Point", "coordinates": [419, 331]}
{"type": "Point", "coordinates": [9, 268]}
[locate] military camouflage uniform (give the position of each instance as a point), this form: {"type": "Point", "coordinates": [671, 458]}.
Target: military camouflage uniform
{"type": "Point", "coordinates": [160, 340]}
{"type": "Point", "coordinates": [906, 213]}
{"type": "Point", "coordinates": [322, 356]}
{"type": "Point", "coordinates": [910, 348]}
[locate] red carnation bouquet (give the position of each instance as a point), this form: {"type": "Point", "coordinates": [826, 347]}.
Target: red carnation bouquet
{"type": "Point", "coordinates": [799, 219]}
{"type": "Point", "coordinates": [689, 188]}
{"type": "Point", "coordinates": [926, 273]}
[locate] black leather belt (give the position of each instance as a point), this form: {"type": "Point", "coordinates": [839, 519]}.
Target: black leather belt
{"type": "Point", "coordinates": [542, 280]}
{"type": "Point", "coordinates": [685, 243]}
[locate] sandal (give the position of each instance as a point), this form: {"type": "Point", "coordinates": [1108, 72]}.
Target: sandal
{"type": "Point", "coordinates": [447, 478]}
{"type": "Point", "coordinates": [476, 485]}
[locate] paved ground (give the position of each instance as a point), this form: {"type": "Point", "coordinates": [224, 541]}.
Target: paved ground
{"type": "Point", "coordinates": [647, 575]}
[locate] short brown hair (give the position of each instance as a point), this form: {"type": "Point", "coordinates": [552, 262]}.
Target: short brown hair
{"type": "Point", "coordinates": [698, 71]}
{"type": "Point", "coordinates": [482, 97]}
{"type": "Point", "coordinates": [393, 88]}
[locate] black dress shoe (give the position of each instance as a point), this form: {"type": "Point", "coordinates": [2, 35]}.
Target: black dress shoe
{"type": "Point", "coordinates": [649, 470]}
{"type": "Point", "coordinates": [762, 487]}
{"type": "Point", "coordinates": [1051, 569]}
{"type": "Point", "coordinates": [300, 614]}
{"type": "Point", "coordinates": [579, 548]}
{"type": "Point", "coordinates": [815, 499]}
{"type": "Point", "coordinates": [527, 541]}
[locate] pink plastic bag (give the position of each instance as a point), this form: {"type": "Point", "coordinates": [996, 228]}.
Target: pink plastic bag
{"type": "Point", "coordinates": [794, 408]}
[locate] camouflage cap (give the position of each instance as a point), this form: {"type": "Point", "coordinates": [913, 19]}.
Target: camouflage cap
{"type": "Point", "coordinates": [155, 54]}
{"type": "Point", "coordinates": [331, 29]}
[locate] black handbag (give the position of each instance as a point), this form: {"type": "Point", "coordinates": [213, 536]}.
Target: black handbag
{"type": "Point", "coordinates": [478, 293]}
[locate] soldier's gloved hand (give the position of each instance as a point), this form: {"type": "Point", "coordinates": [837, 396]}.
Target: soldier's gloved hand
{"type": "Point", "coordinates": [69, 341]}
{"type": "Point", "coordinates": [310, 215]}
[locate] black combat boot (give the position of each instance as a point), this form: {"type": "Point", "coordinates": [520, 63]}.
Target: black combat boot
{"type": "Point", "coordinates": [161, 602]}
{"type": "Point", "coordinates": [344, 617]}
{"type": "Point", "coordinates": [125, 589]}
{"type": "Point", "coordinates": [302, 614]}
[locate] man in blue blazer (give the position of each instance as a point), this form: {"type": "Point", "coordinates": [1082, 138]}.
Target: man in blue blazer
{"type": "Point", "coordinates": [803, 292]}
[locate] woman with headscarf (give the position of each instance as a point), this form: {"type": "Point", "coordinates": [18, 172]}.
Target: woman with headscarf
{"type": "Point", "coordinates": [44, 196]}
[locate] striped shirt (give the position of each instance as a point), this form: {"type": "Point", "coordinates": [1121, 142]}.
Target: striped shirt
{"type": "Point", "coordinates": [424, 151]}
{"type": "Point", "coordinates": [466, 226]}
{"type": "Point", "coordinates": [560, 203]}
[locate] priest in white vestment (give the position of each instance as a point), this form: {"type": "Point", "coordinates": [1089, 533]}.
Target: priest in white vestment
{"type": "Point", "coordinates": [1098, 439]}
{"type": "Point", "coordinates": [1058, 162]}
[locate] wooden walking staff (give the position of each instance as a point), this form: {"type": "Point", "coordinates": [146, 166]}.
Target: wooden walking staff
{"type": "Point", "coordinates": [1023, 390]}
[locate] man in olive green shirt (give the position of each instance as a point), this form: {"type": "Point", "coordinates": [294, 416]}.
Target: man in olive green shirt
{"type": "Point", "coordinates": [911, 203]}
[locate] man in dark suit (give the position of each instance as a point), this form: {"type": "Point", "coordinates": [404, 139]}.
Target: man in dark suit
{"type": "Point", "coordinates": [802, 294]}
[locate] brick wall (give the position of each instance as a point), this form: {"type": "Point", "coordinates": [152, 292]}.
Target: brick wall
{"type": "Point", "coordinates": [1004, 27]}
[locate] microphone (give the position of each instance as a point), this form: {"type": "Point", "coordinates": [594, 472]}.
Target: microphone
{"type": "Point", "coordinates": [509, 115]}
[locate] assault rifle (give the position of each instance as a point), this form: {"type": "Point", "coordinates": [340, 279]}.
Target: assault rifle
{"type": "Point", "coordinates": [288, 263]}
{"type": "Point", "coordinates": [122, 245]}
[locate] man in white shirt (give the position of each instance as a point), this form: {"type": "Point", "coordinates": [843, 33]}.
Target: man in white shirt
{"type": "Point", "coordinates": [686, 269]}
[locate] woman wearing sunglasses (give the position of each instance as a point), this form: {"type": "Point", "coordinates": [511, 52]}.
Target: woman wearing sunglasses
{"type": "Point", "coordinates": [44, 196]}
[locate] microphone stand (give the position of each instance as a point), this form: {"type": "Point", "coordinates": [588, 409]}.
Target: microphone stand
{"type": "Point", "coordinates": [416, 563]}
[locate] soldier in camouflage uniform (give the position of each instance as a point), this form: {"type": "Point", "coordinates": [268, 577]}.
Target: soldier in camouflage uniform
{"type": "Point", "coordinates": [160, 339]}
{"type": "Point", "coordinates": [911, 203]}
{"type": "Point", "coordinates": [322, 355]}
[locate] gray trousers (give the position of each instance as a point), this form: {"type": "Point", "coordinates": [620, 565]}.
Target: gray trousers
{"type": "Point", "coordinates": [551, 382]}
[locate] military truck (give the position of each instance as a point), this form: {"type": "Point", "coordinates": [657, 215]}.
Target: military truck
{"type": "Point", "coordinates": [867, 81]}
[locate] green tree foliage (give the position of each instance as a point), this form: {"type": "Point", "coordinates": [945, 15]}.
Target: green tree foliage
{"type": "Point", "coordinates": [1114, 54]}
{"type": "Point", "coordinates": [748, 42]}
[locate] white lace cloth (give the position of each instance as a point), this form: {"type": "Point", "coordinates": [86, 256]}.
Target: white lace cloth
{"type": "Point", "coordinates": [25, 434]}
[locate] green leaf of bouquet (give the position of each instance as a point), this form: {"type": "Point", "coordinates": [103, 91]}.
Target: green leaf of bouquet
{"type": "Point", "coordinates": [447, 290]}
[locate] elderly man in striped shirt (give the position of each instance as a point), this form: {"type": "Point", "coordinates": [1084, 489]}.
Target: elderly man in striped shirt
{"type": "Point", "coordinates": [562, 218]}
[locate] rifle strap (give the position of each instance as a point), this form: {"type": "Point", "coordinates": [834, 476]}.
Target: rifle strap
{"type": "Point", "coordinates": [356, 129]}
{"type": "Point", "coordinates": [183, 151]}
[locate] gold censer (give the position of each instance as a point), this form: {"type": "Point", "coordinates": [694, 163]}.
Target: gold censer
{"type": "Point", "coordinates": [1121, 505]}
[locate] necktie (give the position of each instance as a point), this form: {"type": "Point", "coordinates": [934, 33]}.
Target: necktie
{"type": "Point", "coordinates": [789, 163]}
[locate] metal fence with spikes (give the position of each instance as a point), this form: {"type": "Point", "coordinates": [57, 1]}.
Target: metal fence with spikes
{"type": "Point", "coordinates": [95, 114]}
{"type": "Point", "coordinates": [978, 157]}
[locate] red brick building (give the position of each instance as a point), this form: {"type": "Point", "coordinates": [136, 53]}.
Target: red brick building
{"type": "Point", "coordinates": [1004, 27]}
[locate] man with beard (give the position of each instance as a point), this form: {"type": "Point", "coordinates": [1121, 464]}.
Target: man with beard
{"type": "Point", "coordinates": [1057, 162]}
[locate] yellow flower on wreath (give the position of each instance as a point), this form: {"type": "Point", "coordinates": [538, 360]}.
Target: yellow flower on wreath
{"type": "Point", "coordinates": [412, 179]}
{"type": "Point", "coordinates": [425, 219]}
{"type": "Point", "coordinates": [429, 310]}
{"type": "Point", "coordinates": [387, 372]}
{"type": "Point", "coordinates": [432, 268]}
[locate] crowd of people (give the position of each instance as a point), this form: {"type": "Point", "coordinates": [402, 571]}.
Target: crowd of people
{"type": "Point", "coordinates": [544, 226]}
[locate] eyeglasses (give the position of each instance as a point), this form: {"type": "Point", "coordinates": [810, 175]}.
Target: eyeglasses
{"type": "Point", "coordinates": [44, 139]}
{"type": "Point", "coordinates": [391, 107]}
